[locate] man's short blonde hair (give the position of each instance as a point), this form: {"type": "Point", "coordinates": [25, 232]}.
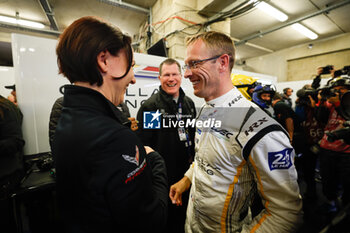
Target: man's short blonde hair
{"type": "Point", "coordinates": [217, 42]}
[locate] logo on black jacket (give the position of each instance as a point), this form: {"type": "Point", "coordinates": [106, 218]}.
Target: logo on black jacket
{"type": "Point", "coordinates": [136, 159]}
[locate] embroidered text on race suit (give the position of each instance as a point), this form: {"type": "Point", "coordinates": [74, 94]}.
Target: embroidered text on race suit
{"type": "Point", "coordinates": [205, 166]}
{"type": "Point", "coordinates": [235, 100]}
{"type": "Point", "coordinates": [223, 132]}
{"type": "Point", "coordinates": [255, 125]}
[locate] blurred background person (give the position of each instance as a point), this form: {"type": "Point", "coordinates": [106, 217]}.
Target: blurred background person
{"type": "Point", "coordinates": [335, 154]}
{"type": "Point", "coordinates": [262, 96]}
{"type": "Point", "coordinates": [285, 115]}
{"type": "Point", "coordinates": [124, 109]}
{"type": "Point", "coordinates": [11, 160]}
{"type": "Point", "coordinates": [13, 96]}
{"type": "Point", "coordinates": [131, 122]}
{"type": "Point", "coordinates": [287, 93]}
{"type": "Point", "coordinates": [313, 131]}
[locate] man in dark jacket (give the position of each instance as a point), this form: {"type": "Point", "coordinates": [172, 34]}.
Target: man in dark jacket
{"type": "Point", "coordinates": [11, 158]}
{"type": "Point", "coordinates": [174, 143]}
{"type": "Point", "coordinates": [313, 132]}
{"type": "Point", "coordinates": [284, 114]}
{"type": "Point", "coordinates": [287, 93]}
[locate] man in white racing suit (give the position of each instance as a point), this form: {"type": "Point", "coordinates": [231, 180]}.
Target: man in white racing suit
{"type": "Point", "coordinates": [248, 154]}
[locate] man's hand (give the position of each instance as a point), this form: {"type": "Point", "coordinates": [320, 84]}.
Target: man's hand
{"type": "Point", "coordinates": [290, 128]}
{"type": "Point", "coordinates": [177, 189]}
{"type": "Point", "coordinates": [319, 96]}
{"type": "Point", "coordinates": [312, 101]}
{"type": "Point", "coordinates": [148, 149]}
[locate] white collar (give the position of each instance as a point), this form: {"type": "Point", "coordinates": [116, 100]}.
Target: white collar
{"type": "Point", "coordinates": [221, 99]}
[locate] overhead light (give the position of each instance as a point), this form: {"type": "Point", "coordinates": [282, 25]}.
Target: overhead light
{"type": "Point", "coordinates": [305, 31]}
{"type": "Point", "coordinates": [270, 10]}
{"type": "Point", "coordinates": [22, 22]}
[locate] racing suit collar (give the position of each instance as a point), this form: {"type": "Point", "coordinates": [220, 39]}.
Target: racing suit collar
{"type": "Point", "coordinates": [221, 99]}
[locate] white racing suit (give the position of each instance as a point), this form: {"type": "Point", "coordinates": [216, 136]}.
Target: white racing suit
{"type": "Point", "coordinates": [249, 154]}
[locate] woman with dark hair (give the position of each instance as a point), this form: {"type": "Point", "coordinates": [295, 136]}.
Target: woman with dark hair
{"type": "Point", "coordinates": [107, 181]}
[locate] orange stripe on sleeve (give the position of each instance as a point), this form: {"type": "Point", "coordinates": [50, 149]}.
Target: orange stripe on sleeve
{"type": "Point", "coordinates": [262, 193]}
{"type": "Point", "coordinates": [229, 196]}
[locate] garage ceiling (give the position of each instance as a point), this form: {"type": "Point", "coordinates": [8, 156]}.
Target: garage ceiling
{"type": "Point", "coordinates": [251, 24]}
{"type": "Point", "coordinates": [327, 24]}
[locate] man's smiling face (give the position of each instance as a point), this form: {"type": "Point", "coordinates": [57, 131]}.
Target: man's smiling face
{"type": "Point", "coordinates": [170, 79]}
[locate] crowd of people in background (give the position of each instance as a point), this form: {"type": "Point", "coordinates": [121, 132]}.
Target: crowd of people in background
{"type": "Point", "coordinates": [318, 128]}
{"type": "Point", "coordinates": [239, 178]}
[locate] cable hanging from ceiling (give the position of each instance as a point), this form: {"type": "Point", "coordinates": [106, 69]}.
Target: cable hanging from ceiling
{"type": "Point", "coordinates": [241, 9]}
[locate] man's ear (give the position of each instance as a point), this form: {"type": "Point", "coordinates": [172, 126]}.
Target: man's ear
{"type": "Point", "coordinates": [224, 61]}
{"type": "Point", "coordinates": [159, 77]}
{"type": "Point", "coordinates": [101, 61]}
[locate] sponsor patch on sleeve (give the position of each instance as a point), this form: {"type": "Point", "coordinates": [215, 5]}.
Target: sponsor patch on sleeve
{"type": "Point", "coordinates": [135, 160]}
{"type": "Point", "coordinates": [280, 159]}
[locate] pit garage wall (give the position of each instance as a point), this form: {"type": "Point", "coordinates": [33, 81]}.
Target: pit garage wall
{"type": "Point", "coordinates": [300, 62]}
{"type": "Point", "coordinates": [37, 86]}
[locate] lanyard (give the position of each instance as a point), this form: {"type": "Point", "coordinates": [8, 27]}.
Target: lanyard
{"type": "Point", "coordinates": [179, 112]}
{"type": "Point", "coordinates": [183, 133]}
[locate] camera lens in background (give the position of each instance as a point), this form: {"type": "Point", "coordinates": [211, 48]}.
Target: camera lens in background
{"type": "Point", "coordinates": [327, 69]}
{"type": "Point", "coordinates": [343, 133]}
{"type": "Point", "coordinates": [327, 92]}
{"type": "Point", "coordinates": [338, 73]}
{"type": "Point", "coordinates": [304, 93]}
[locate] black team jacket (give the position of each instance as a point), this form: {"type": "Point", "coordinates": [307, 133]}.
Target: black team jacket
{"type": "Point", "coordinates": [11, 145]}
{"type": "Point", "coordinates": [105, 180]}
